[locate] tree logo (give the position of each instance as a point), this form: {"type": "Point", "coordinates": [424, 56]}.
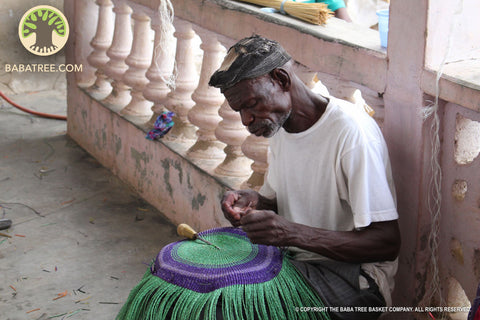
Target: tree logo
{"type": "Point", "coordinates": [43, 30]}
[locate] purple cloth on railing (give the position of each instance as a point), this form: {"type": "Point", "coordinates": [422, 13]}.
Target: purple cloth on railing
{"type": "Point", "coordinates": [254, 264]}
{"type": "Point", "coordinates": [162, 125]}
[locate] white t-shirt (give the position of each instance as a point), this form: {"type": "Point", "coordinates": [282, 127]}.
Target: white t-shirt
{"type": "Point", "coordinates": [336, 175]}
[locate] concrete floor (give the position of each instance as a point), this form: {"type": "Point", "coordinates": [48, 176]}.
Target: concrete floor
{"type": "Point", "coordinates": [76, 227]}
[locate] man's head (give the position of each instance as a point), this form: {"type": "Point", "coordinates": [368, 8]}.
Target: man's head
{"type": "Point", "coordinates": [256, 82]}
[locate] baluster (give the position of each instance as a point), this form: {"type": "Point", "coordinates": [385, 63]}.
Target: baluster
{"type": "Point", "coordinates": [231, 131]}
{"type": "Point", "coordinates": [208, 101]}
{"type": "Point", "coordinates": [180, 99]}
{"type": "Point", "coordinates": [306, 75]}
{"type": "Point", "coordinates": [118, 52]}
{"type": "Point", "coordinates": [139, 60]}
{"type": "Point", "coordinates": [310, 78]}
{"type": "Point", "coordinates": [82, 33]}
{"type": "Point", "coordinates": [256, 148]}
{"type": "Point", "coordinates": [160, 71]}
{"type": "Point", "coordinates": [100, 43]}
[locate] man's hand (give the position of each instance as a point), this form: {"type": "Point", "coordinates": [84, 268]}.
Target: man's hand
{"type": "Point", "coordinates": [266, 227]}
{"type": "Point", "coordinates": [236, 204]}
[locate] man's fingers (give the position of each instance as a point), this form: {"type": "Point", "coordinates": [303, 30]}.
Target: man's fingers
{"type": "Point", "coordinates": [236, 224]}
{"type": "Point", "coordinates": [236, 216]}
{"type": "Point", "coordinates": [228, 202]}
{"type": "Point", "coordinates": [232, 216]}
{"type": "Point", "coordinates": [229, 198]}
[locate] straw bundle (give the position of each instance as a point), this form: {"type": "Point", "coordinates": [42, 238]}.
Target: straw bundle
{"type": "Point", "coordinates": [316, 13]}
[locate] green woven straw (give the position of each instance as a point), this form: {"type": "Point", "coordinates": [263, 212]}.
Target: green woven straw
{"type": "Point", "coordinates": [191, 280]}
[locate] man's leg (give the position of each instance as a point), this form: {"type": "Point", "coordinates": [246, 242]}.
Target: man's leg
{"type": "Point", "coordinates": [337, 284]}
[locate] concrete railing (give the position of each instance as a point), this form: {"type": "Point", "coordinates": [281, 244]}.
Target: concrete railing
{"type": "Point", "coordinates": [151, 67]}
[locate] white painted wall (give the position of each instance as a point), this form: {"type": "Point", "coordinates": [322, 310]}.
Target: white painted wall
{"type": "Point", "coordinates": [452, 26]}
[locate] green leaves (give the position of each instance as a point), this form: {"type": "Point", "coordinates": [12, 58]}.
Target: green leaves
{"type": "Point", "coordinates": [30, 25]}
{"type": "Point", "coordinates": [50, 17]}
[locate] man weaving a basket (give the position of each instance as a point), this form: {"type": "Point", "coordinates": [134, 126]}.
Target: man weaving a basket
{"type": "Point", "coordinates": [318, 241]}
{"type": "Point", "coordinates": [328, 194]}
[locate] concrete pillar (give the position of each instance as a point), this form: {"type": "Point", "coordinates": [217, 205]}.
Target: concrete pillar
{"type": "Point", "coordinates": [405, 133]}
{"type": "Point", "coordinates": [118, 52]}
{"type": "Point", "coordinates": [100, 43]}
{"type": "Point", "coordinates": [180, 99]}
{"type": "Point", "coordinates": [85, 23]}
{"type": "Point", "coordinates": [231, 131]}
{"type": "Point", "coordinates": [208, 101]}
{"type": "Point", "coordinates": [256, 148]}
{"type": "Point", "coordinates": [138, 61]}
{"type": "Point", "coordinates": [160, 72]}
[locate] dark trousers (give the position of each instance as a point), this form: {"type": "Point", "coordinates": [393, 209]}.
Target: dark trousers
{"type": "Point", "coordinates": [337, 284]}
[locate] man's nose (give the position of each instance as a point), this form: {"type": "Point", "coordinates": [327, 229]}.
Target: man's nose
{"type": "Point", "coordinates": [247, 117]}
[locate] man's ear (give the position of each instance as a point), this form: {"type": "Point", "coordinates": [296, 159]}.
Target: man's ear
{"type": "Point", "coordinates": [282, 77]}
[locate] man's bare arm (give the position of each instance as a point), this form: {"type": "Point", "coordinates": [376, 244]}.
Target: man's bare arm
{"type": "Point", "coordinates": [380, 241]}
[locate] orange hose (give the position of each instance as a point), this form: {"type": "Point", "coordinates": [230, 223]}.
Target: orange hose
{"type": "Point", "coordinates": [40, 114]}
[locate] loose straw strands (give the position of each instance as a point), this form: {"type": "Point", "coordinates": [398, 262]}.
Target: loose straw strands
{"type": "Point", "coordinates": [316, 13]}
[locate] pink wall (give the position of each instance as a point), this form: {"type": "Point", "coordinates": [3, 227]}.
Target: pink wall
{"type": "Point", "coordinates": [403, 130]}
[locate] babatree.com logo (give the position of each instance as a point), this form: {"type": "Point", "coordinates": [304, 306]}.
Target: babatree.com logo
{"type": "Point", "coordinates": [43, 30]}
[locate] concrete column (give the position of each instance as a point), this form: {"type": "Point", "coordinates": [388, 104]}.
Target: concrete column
{"type": "Point", "coordinates": [256, 148]}
{"type": "Point", "coordinates": [408, 142]}
{"type": "Point", "coordinates": [208, 101]}
{"type": "Point", "coordinates": [84, 30]}
{"type": "Point", "coordinates": [118, 52]}
{"type": "Point", "coordinates": [161, 68]}
{"type": "Point", "coordinates": [231, 131]}
{"type": "Point", "coordinates": [138, 61]}
{"type": "Point", "coordinates": [100, 43]}
{"type": "Point", "coordinates": [180, 99]}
